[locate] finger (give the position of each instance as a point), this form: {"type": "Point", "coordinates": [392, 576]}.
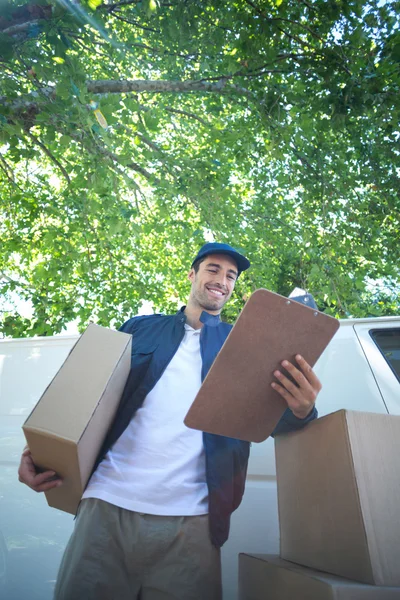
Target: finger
{"type": "Point", "coordinates": [45, 477]}
{"type": "Point", "coordinates": [27, 459]}
{"type": "Point", "coordinates": [299, 377]}
{"type": "Point", "coordinates": [48, 485]}
{"type": "Point", "coordinates": [294, 391]}
{"type": "Point", "coordinates": [283, 392]}
{"type": "Point", "coordinates": [309, 373]}
{"type": "Point", "coordinates": [299, 408]}
{"type": "Point", "coordinates": [27, 467]}
{"type": "Point", "coordinates": [29, 476]}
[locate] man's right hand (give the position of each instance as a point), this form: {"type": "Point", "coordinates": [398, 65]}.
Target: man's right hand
{"type": "Point", "coordinates": [37, 481]}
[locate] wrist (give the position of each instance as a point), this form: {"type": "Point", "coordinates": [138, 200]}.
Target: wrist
{"type": "Point", "coordinates": [303, 414]}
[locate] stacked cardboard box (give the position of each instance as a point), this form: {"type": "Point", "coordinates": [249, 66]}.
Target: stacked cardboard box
{"type": "Point", "coordinates": [267, 577]}
{"type": "Point", "coordinates": [67, 426]}
{"type": "Point", "coordinates": [339, 512]}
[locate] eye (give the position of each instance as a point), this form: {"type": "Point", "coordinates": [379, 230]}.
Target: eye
{"type": "Point", "coordinates": [212, 270]}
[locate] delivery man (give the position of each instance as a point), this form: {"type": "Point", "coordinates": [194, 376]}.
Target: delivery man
{"type": "Point", "coordinates": [157, 508]}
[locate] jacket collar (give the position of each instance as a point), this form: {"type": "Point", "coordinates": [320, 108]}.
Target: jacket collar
{"type": "Point", "coordinates": [205, 317]}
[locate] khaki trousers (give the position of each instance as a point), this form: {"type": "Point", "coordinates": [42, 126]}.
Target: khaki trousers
{"type": "Point", "coordinates": [117, 554]}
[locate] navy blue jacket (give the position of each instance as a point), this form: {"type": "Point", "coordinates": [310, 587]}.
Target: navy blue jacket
{"type": "Point", "coordinates": [155, 339]}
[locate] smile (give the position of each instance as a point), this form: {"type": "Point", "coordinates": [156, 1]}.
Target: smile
{"type": "Point", "coordinates": [215, 292]}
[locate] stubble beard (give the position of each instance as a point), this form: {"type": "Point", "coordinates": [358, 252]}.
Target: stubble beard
{"type": "Point", "coordinates": [205, 303]}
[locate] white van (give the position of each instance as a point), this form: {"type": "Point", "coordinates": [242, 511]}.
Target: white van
{"type": "Point", "coordinates": [360, 370]}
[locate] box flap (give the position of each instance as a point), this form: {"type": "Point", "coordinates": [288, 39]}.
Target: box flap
{"type": "Point", "coordinates": [66, 406]}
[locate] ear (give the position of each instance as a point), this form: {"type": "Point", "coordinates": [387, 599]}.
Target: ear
{"type": "Point", "coordinates": [191, 275]}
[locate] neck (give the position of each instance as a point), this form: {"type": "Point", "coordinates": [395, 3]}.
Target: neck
{"type": "Point", "coordinates": [193, 314]}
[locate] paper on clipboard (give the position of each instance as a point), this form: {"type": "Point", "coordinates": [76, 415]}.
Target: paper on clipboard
{"type": "Point", "coordinates": [236, 399]}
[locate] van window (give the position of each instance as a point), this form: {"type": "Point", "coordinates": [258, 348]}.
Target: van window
{"type": "Point", "coordinates": [388, 342]}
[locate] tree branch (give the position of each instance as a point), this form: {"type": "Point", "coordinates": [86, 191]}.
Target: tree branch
{"type": "Point", "coordinates": [111, 7]}
{"type": "Point", "coordinates": [161, 86]}
{"type": "Point", "coordinates": [98, 52]}
{"type": "Point", "coordinates": [19, 27]}
{"type": "Point", "coordinates": [308, 5]}
{"type": "Point", "coordinates": [24, 18]}
{"type": "Point", "coordinates": [131, 22]}
{"type": "Point", "coordinates": [37, 142]}
{"type": "Point", "coordinates": [188, 114]}
{"type": "Point", "coordinates": [17, 284]}
{"type": "Point", "coordinates": [7, 171]}
{"type": "Point", "coordinates": [132, 165]}
{"type": "Point", "coordinates": [29, 108]}
{"type": "Point", "coordinates": [148, 142]}
{"type": "Point", "coordinates": [249, 73]}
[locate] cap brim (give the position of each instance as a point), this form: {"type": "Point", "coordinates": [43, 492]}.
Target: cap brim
{"type": "Point", "coordinates": [242, 262]}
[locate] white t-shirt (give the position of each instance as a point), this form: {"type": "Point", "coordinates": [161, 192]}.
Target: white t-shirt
{"type": "Point", "coordinates": [157, 466]}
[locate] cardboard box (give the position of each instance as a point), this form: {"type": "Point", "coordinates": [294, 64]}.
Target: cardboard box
{"type": "Point", "coordinates": [339, 496]}
{"type": "Point", "coordinates": [66, 428]}
{"type": "Point", "coordinates": [267, 577]}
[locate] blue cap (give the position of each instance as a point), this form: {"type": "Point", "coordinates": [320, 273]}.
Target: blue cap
{"type": "Point", "coordinates": [214, 248]}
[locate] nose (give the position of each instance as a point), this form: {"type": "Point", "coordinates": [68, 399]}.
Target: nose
{"type": "Point", "coordinates": [222, 280]}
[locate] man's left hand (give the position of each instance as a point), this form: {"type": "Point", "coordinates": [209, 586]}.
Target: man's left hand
{"type": "Point", "coordinates": [300, 398]}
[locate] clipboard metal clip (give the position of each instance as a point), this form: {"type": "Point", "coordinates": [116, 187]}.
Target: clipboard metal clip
{"type": "Point", "coordinates": [303, 297]}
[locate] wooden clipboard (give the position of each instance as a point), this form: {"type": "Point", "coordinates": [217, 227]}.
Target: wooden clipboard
{"type": "Point", "coordinates": [236, 399]}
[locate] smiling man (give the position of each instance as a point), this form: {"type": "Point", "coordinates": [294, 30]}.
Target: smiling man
{"type": "Point", "coordinates": [213, 279]}
{"type": "Point", "coordinates": [157, 508]}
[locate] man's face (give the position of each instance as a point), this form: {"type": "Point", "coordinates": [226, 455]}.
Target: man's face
{"type": "Point", "coordinates": [213, 284]}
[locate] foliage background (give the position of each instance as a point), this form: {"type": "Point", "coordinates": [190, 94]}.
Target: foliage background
{"type": "Point", "coordinates": [271, 124]}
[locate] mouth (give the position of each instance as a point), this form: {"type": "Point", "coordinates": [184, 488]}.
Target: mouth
{"type": "Point", "coordinates": [215, 292]}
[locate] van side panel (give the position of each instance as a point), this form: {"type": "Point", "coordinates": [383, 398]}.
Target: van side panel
{"type": "Point", "coordinates": [36, 534]}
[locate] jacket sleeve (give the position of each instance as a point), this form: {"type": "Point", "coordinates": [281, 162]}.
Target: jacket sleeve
{"type": "Point", "coordinates": [289, 422]}
{"type": "Point", "coordinates": [128, 326]}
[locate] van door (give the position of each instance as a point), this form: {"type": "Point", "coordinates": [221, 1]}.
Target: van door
{"type": "Point", "coordinates": [380, 342]}
{"type": "Point", "coordinates": [32, 535]}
